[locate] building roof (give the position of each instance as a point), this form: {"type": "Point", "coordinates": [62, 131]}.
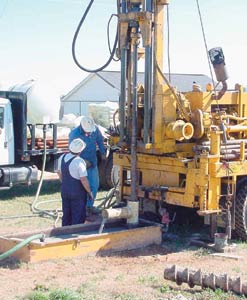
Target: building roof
{"type": "Point", "coordinates": [183, 82]}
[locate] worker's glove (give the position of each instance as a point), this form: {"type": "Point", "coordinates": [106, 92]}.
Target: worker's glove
{"type": "Point", "coordinates": [91, 196]}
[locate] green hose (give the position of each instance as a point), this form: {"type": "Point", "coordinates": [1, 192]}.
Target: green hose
{"type": "Point", "coordinates": [6, 254]}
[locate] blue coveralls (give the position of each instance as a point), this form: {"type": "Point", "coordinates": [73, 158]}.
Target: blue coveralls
{"type": "Point", "coordinates": [74, 197]}
{"type": "Point", "coordinates": [89, 153]}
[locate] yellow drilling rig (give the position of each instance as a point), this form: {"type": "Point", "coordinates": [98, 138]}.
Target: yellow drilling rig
{"type": "Point", "coordinates": [177, 149]}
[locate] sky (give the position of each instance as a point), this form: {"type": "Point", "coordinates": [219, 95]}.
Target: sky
{"type": "Point", "coordinates": [36, 38]}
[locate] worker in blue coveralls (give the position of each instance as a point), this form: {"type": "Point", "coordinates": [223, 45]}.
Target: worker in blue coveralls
{"type": "Point", "coordinates": [75, 187]}
{"type": "Point", "coordinates": [89, 132]}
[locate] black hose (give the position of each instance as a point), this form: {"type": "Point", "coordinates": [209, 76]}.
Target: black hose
{"type": "Point", "coordinates": [108, 36]}
{"type": "Point", "coordinates": [74, 42]}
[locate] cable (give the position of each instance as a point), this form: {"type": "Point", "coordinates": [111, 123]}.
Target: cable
{"type": "Point", "coordinates": [74, 43]}
{"type": "Point", "coordinates": [168, 42]}
{"type": "Point", "coordinates": [205, 44]}
{"type": "Point", "coordinates": [228, 195]}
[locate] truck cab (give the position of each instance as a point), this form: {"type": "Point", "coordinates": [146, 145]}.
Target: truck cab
{"type": "Point", "coordinates": [21, 151]}
{"type": "Point", "coordinates": [6, 133]}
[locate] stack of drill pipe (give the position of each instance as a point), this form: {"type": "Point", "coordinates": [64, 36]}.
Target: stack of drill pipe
{"type": "Point", "coordinates": [205, 280]}
{"type": "Point", "coordinates": [39, 143]}
{"type": "Point", "coordinates": [229, 142]}
{"type": "Point", "coordinates": [61, 143]}
{"type": "Point", "coordinates": [231, 152]}
{"type": "Point", "coordinates": [231, 149]}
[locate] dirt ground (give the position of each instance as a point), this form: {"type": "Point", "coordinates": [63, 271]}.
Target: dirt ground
{"type": "Point", "coordinates": [135, 274]}
{"type": "Point", "coordinates": [129, 275]}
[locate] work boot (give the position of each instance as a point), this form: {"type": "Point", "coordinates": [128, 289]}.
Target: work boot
{"type": "Point", "coordinates": [95, 210]}
{"type": "Point", "coordinates": [89, 211]}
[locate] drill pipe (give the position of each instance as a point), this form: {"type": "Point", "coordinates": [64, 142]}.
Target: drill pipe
{"type": "Point", "coordinates": [213, 281]}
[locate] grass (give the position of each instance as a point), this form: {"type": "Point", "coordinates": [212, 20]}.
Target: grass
{"type": "Point", "coordinates": [168, 292]}
{"type": "Point", "coordinates": [126, 296]}
{"type": "Point", "coordinates": [58, 294]}
{"type": "Point", "coordinates": [241, 244]}
{"type": "Point", "coordinates": [15, 207]}
{"type": "Point", "coordinates": [119, 277]}
{"type": "Point", "coordinates": [148, 280]}
{"type": "Point", "coordinates": [164, 289]}
{"type": "Point", "coordinates": [236, 269]}
{"type": "Point", "coordinates": [202, 252]}
{"type": "Point", "coordinates": [164, 292]}
{"type": "Point", "coordinates": [18, 201]}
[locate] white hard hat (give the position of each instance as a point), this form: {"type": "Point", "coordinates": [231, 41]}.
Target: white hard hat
{"type": "Point", "coordinates": [87, 124]}
{"type": "Point", "coordinates": [77, 146]}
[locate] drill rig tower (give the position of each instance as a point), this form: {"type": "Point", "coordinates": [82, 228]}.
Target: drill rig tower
{"type": "Point", "coordinates": [183, 149]}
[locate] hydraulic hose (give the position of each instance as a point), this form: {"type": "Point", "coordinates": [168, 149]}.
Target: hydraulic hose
{"type": "Point", "coordinates": [35, 204]}
{"type": "Point", "coordinates": [108, 199]}
{"type": "Point", "coordinates": [6, 254]}
{"type": "Point", "coordinates": [74, 43]}
{"type": "Point", "coordinates": [108, 36]}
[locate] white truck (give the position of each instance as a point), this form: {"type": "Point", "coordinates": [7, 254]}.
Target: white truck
{"type": "Point", "coordinates": [21, 151]}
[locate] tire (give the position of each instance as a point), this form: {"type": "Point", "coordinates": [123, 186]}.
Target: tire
{"type": "Point", "coordinates": [241, 212]}
{"type": "Point", "coordinates": [105, 173]}
{"type": "Point", "coordinates": [102, 179]}
{"type": "Point", "coordinates": [108, 172]}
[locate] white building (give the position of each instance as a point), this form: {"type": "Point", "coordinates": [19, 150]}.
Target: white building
{"type": "Point", "coordinates": [105, 86]}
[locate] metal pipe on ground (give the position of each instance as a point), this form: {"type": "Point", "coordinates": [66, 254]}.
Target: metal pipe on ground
{"type": "Point", "coordinates": [203, 279]}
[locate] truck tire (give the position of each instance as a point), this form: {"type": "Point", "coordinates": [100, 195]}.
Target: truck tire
{"type": "Point", "coordinates": [108, 171]}
{"type": "Point", "coordinates": [102, 178]}
{"type": "Point", "coordinates": [105, 173]}
{"type": "Point", "coordinates": [241, 212]}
